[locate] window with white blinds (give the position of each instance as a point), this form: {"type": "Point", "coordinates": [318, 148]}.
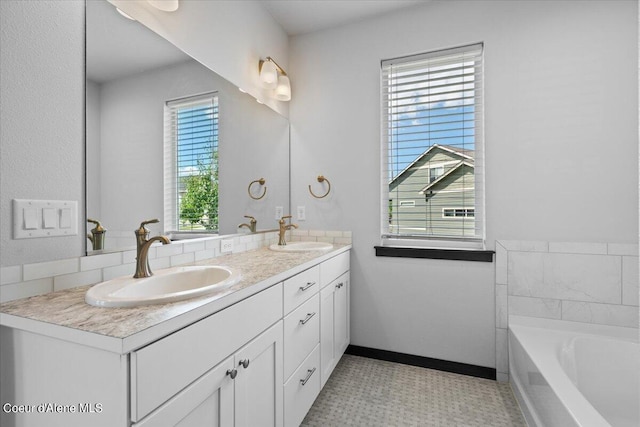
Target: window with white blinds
{"type": "Point", "coordinates": [432, 147]}
{"type": "Point", "coordinates": [191, 164]}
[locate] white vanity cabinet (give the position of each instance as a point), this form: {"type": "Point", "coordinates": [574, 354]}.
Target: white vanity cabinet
{"type": "Point", "coordinates": [243, 390]}
{"type": "Point", "coordinates": [260, 361]}
{"type": "Point", "coordinates": [334, 313]}
{"type": "Point", "coordinates": [164, 368]}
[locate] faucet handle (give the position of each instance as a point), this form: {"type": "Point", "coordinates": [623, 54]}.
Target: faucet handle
{"type": "Point", "coordinates": [251, 218]}
{"type": "Point", "coordinates": [142, 229]}
{"type": "Point", "coordinates": [98, 228]}
{"type": "Point", "coordinates": [149, 221]}
{"type": "Point", "coordinates": [285, 217]}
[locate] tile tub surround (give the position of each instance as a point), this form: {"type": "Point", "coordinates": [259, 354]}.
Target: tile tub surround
{"type": "Point", "coordinates": [22, 281]}
{"type": "Point", "coordinates": [580, 282]}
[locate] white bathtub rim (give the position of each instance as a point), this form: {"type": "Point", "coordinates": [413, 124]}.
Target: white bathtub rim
{"type": "Point", "coordinates": [622, 332]}
{"type": "Point", "coordinates": [542, 331]}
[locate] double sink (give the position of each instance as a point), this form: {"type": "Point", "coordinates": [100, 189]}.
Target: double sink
{"type": "Point", "coordinates": [177, 283]}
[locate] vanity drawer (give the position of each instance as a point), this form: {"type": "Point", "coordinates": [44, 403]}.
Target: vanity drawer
{"type": "Point", "coordinates": [332, 268]}
{"type": "Point", "coordinates": [301, 389]}
{"type": "Point", "coordinates": [300, 288]}
{"type": "Point", "coordinates": [162, 369]}
{"type": "Point", "coordinates": [301, 333]}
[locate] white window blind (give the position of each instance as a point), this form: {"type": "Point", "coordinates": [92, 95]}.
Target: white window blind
{"type": "Point", "coordinates": [191, 164]}
{"type": "Point", "coordinates": [432, 146]}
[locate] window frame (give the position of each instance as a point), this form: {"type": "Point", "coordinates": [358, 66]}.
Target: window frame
{"type": "Point", "coordinates": [476, 242]}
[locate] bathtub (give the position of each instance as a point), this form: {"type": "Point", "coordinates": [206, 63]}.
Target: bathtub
{"type": "Point", "coordinates": [569, 374]}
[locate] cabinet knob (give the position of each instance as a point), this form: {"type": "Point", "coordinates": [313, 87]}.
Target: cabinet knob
{"type": "Point", "coordinates": [232, 373]}
{"type": "Point", "coordinates": [339, 285]}
{"type": "Point", "coordinates": [244, 363]}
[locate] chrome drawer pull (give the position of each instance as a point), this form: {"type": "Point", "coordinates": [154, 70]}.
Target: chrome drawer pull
{"type": "Point", "coordinates": [306, 319]}
{"type": "Point", "coordinates": [232, 373]}
{"type": "Point", "coordinates": [244, 363]}
{"type": "Point", "coordinates": [309, 373]}
{"type": "Point", "coordinates": [307, 286]}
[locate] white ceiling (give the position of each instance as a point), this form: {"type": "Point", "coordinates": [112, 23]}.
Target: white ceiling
{"type": "Point", "coordinates": [112, 53]}
{"type": "Point", "coordinates": [118, 47]}
{"type": "Point", "coordinates": [306, 16]}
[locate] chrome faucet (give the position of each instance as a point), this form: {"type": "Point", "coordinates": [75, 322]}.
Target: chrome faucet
{"type": "Point", "coordinates": [252, 224]}
{"type": "Point", "coordinates": [283, 228]}
{"type": "Point", "coordinates": [142, 248]}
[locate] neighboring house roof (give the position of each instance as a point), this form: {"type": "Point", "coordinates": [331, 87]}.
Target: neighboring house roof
{"type": "Point", "coordinates": [444, 175]}
{"type": "Point", "coordinates": [466, 155]}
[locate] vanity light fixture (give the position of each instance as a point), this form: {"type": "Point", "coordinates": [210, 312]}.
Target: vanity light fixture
{"type": "Point", "coordinates": [274, 77]}
{"type": "Point", "coordinates": [165, 5]}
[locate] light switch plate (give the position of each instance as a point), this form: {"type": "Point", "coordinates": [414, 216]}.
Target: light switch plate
{"type": "Point", "coordinates": [44, 218]}
{"type": "Point", "coordinates": [279, 212]}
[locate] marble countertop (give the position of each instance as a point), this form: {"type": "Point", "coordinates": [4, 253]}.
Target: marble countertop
{"type": "Point", "coordinates": [66, 310]}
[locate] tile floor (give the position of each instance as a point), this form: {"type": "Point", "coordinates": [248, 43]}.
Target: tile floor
{"type": "Point", "coordinates": [369, 392]}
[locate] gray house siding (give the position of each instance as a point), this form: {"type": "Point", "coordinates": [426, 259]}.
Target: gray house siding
{"type": "Point", "coordinates": [415, 212]}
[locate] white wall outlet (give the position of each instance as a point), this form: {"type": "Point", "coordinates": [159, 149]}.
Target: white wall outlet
{"type": "Point", "coordinates": [226, 246]}
{"type": "Point", "coordinates": [279, 212]}
{"type": "Point", "coordinates": [302, 213]}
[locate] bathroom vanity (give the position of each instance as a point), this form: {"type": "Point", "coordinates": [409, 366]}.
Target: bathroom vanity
{"type": "Point", "coordinates": [255, 354]}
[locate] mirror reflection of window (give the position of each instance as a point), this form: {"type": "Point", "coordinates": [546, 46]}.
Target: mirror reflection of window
{"type": "Point", "coordinates": [191, 164]}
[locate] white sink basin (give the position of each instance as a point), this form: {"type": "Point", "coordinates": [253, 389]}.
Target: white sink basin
{"type": "Point", "coordinates": [302, 247]}
{"type": "Point", "coordinates": [168, 285]}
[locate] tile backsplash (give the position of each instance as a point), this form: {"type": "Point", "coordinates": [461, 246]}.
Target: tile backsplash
{"type": "Point", "coordinates": [579, 282]}
{"type": "Point", "coordinates": [21, 281]}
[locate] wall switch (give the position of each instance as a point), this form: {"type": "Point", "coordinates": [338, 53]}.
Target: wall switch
{"type": "Point", "coordinates": [302, 214]}
{"type": "Point", "coordinates": [226, 246]}
{"type": "Point", "coordinates": [65, 218]}
{"type": "Point", "coordinates": [44, 218]}
{"type": "Point", "coordinates": [30, 218]}
{"type": "Point", "coordinates": [49, 218]}
{"type": "Point", "coordinates": [279, 212]}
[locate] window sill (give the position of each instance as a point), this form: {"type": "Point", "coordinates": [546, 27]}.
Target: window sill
{"type": "Point", "coordinates": [431, 253]}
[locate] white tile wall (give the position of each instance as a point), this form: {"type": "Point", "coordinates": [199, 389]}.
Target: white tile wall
{"type": "Point", "coordinates": [21, 281]}
{"type": "Point", "coordinates": [604, 314]}
{"type": "Point", "coordinates": [11, 274]}
{"type": "Point", "coordinates": [576, 281]}
{"type": "Point", "coordinates": [630, 276]}
{"type": "Point", "coordinates": [502, 314]}
{"type": "Point", "coordinates": [596, 278]}
{"type": "Point", "coordinates": [73, 280]}
{"type": "Point", "coordinates": [49, 269]}
{"type": "Point", "coordinates": [535, 307]}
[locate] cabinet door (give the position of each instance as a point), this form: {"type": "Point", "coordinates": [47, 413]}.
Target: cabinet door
{"type": "Point", "coordinates": [208, 402]}
{"type": "Point", "coordinates": [334, 324]}
{"type": "Point", "coordinates": [258, 386]}
{"type": "Point", "coordinates": [341, 316]}
{"type": "Point", "coordinates": [327, 350]}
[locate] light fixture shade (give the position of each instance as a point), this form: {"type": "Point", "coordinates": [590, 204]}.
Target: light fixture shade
{"type": "Point", "coordinates": [283, 91]}
{"type": "Point", "coordinates": [164, 5]}
{"type": "Point", "coordinates": [269, 75]}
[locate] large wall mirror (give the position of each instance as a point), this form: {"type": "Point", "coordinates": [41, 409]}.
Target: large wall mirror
{"type": "Point", "coordinates": [135, 79]}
